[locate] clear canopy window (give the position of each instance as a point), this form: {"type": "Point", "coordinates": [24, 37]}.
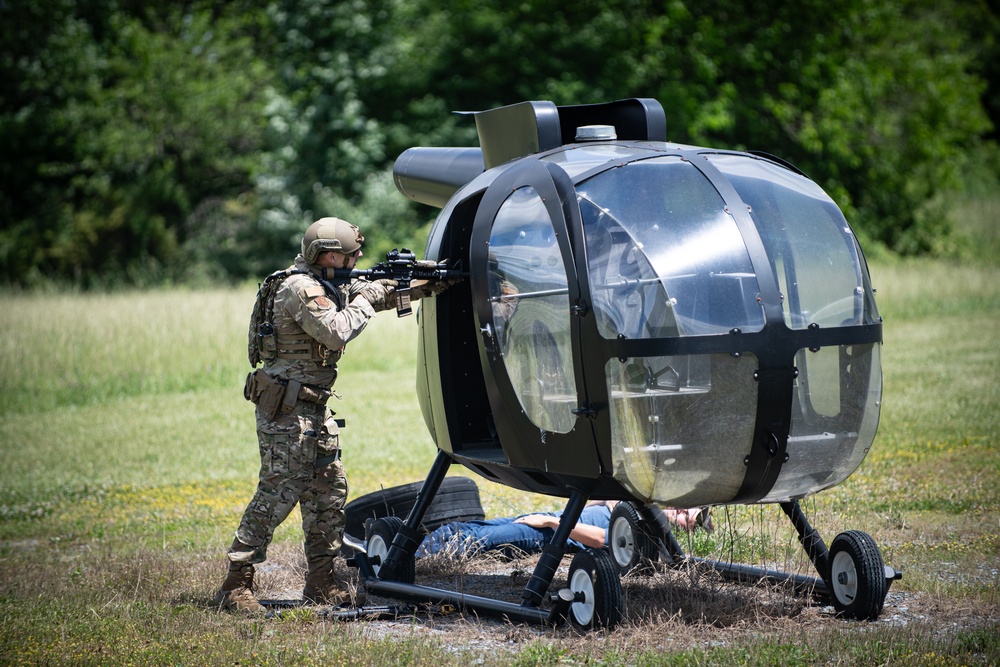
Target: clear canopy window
{"type": "Point", "coordinates": [682, 444]}
{"type": "Point", "coordinates": [834, 418]}
{"type": "Point", "coordinates": [531, 317]}
{"type": "Point", "coordinates": [577, 160]}
{"type": "Point", "coordinates": [811, 247]}
{"type": "Point", "coordinates": [665, 258]}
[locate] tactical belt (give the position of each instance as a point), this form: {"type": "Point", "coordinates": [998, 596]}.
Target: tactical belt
{"type": "Point", "coordinates": [274, 396]}
{"type": "Point", "coordinates": [296, 391]}
{"type": "Point", "coordinates": [307, 394]}
{"type": "Point", "coordinates": [305, 348]}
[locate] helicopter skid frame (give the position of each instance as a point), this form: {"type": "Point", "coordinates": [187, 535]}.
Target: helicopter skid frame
{"type": "Point", "coordinates": [852, 577]}
{"type": "Point", "coordinates": [852, 574]}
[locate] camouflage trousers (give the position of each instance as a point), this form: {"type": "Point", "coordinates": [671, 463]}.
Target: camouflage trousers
{"type": "Point", "coordinates": [296, 466]}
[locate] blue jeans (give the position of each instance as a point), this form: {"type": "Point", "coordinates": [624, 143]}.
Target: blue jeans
{"type": "Point", "coordinates": [503, 535]}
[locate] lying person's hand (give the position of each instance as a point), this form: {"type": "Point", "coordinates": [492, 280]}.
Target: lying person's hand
{"type": "Point", "coordinates": [539, 520]}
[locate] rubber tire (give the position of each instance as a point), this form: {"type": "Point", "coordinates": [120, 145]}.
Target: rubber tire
{"type": "Point", "coordinates": [857, 576]}
{"type": "Point", "coordinates": [380, 536]}
{"type": "Point", "coordinates": [632, 546]}
{"type": "Point", "coordinates": [456, 500]}
{"type": "Point", "coordinates": [594, 575]}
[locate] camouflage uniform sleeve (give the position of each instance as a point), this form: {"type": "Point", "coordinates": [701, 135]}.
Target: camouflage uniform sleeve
{"type": "Point", "coordinates": [320, 316]}
{"type": "Point", "coordinates": [356, 287]}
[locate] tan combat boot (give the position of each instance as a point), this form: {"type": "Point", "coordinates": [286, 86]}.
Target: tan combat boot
{"type": "Point", "coordinates": [322, 587]}
{"type": "Point", "coordinates": [236, 593]}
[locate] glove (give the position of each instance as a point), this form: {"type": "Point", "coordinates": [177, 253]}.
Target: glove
{"type": "Point", "coordinates": [381, 294]}
{"type": "Point", "coordinates": [421, 288]}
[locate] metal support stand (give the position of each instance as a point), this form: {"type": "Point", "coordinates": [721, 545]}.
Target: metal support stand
{"type": "Point", "coordinates": [672, 553]}
{"type": "Point", "coordinates": [815, 548]}
{"type": "Point", "coordinates": [545, 569]}
{"type": "Point", "coordinates": [438, 596]}
{"type": "Point", "coordinates": [670, 548]}
{"type": "Point", "coordinates": [809, 539]}
{"type": "Point", "coordinates": [407, 540]}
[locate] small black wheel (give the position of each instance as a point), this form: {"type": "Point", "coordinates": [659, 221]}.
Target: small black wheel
{"type": "Point", "coordinates": [857, 576]}
{"type": "Point", "coordinates": [597, 590]}
{"type": "Point", "coordinates": [381, 532]}
{"type": "Point", "coordinates": [632, 546]}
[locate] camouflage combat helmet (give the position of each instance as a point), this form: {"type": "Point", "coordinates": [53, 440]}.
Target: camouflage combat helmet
{"type": "Point", "coordinates": [330, 234]}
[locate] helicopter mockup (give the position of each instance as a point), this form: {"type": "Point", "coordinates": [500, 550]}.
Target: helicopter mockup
{"type": "Point", "coordinates": [644, 321]}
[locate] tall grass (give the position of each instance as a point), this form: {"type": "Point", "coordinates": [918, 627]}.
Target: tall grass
{"type": "Point", "coordinates": [146, 389]}
{"type": "Point", "coordinates": [81, 349]}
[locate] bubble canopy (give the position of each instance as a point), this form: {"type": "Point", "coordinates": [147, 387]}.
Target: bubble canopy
{"type": "Point", "coordinates": [652, 321]}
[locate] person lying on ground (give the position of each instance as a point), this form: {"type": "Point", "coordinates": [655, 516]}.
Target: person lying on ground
{"type": "Point", "coordinates": [517, 536]}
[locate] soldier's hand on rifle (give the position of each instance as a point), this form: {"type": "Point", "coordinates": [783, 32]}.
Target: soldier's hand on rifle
{"type": "Point", "coordinates": [381, 294]}
{"type": "Point", "coordinates": [421, 288]}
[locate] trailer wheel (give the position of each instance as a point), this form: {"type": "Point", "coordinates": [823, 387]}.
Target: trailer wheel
{"type": "Point", "coordinates": [597, 590]}
{"type": "Point", "coordinates": [857, 576]}
{"type": "Point", "coordinates": [632, 547]}
{"type": "Point", "coordinates": [380, 535]}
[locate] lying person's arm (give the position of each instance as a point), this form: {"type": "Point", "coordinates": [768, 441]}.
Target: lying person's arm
{"type": "Point", "coordinates": [589, 536]}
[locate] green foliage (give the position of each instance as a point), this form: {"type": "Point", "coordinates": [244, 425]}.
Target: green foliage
{"type": "Point", "coordinates": [880, 116]}
{"type": "Point", "coordinates": [121, 131]}
{"type": "Point", "coordinates": [879, 102]}
{"type": "Point", "coordinates": [153, 142]}
{"type": "Point", "coordinates": [321, 129]}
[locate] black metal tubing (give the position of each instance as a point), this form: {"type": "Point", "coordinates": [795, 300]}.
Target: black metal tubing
{"type": "Point", "coordinates": [406, 541]}
{"type": "Point", "coordinates": [817, 550]}
{"type": "Point", "coordinates": [814, 547]}
{"type": "Point", "coordinates": [809, 539]}
{"type": "Point", "coordinates": [552, 554]}
{"type": "Point", "coordinates": [438, 596]}
{"type": "Point", "coordinates": [671, 549]}
{"type": "Point", "coordinates": [404, 544]}
{"type": "Point", "coordinates": [752, 574]}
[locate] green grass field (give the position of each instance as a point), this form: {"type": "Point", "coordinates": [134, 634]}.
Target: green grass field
{"type": "Point", "coordinates": [128, 454]}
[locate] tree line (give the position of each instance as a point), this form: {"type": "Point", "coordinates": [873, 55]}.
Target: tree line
{"type": "Point", "coordinates": [164, 141]}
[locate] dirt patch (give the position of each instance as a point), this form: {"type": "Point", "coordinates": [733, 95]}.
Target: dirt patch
{"type": "Point", "coordinates": [670, 609]}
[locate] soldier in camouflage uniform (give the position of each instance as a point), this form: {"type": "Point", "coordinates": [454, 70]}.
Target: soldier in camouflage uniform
{"type": "Point", "coordinates": [297, 433]}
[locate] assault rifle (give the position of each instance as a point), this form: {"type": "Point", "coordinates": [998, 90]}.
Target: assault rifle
{"type": "Point", "coordinates": [403, 267]}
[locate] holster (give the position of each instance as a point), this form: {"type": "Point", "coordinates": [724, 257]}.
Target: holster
{"type": "Point", "coordinates": [266, 392]}
{"type": "Point", "coordinates": [291, 396]}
